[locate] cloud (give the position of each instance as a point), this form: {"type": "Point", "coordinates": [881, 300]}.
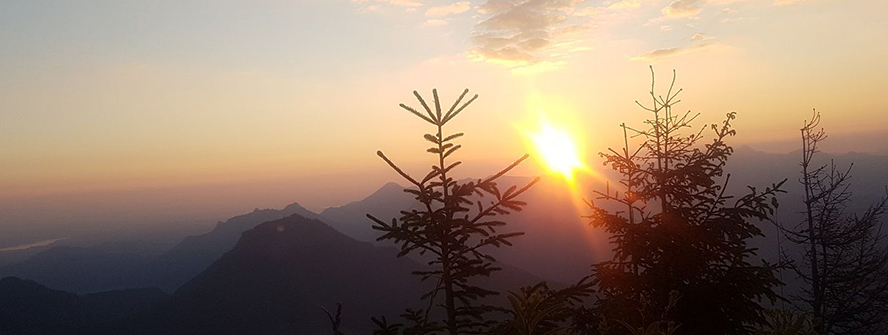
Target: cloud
{"type": "Point", "coordinates": [621, 6]}
{"type": "Point", "coordinates": [626, 4]}
{"type": "Point", "coordinates": [700, 37]}
{"type": "Point", "coordinates": [493, 6]}
{"type": "Point", "coordinates": [683, 9]}
{"type": "Point", "coordinates": [738, 19]}
{"type": "Point", "coordinates": [455, 8]}
{"type": "Point", "coordinates": [691, 9]}
{"type": "Point", "coordinates": [410, 4]}
{"type": "Point", "coordinates": [524, 33]}
{"type": "Point", "coordinates": [590, 11]}
{"type": "Point", "coordinates": [530, 35]}
{"type": "Point", "coordinates": [434, 23]}
{"type": "Point", "coordinates": [672, 52]}
{"type": "Point", "coordinates": [785, 2]}
{"type": "Point", "coordinates": [402, 3]}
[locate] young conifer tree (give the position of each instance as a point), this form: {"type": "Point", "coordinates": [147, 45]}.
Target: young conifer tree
{"type": "Point", "coordinates": [454, 225]}
{"type": "Point", "coordinates": [677, 230]}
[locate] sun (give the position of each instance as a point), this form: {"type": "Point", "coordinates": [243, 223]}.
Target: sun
{"type": "Point", "coordinates": [557, 150]}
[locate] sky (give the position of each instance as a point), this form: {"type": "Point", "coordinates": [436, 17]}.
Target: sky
{"type": "Point", "coordinates": [212, 107]}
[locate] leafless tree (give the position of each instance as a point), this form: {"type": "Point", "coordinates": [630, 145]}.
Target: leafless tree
{"type": "Point", "coordinates": [845, 262]}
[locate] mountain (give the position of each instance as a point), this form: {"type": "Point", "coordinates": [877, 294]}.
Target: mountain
{"type": "Point", "coordinates": [92, 262]}
{"type": "Point", "coordinates": [82, 269]}
{"type": "Point", "coordinates": [279, 274]}
{"type": "Point", "coordinates": [351, 219]}
{"type": "Point", "coordinates": [869, 174]}
{"type": "Point", "coordinates": [281, 271]}
{"type": "Point", "coordinates": [113, 264]}
{"type": "Point", "coordinates": [273, 280]}
{"type": "Point", "coordinates": [194, 253]}
{"type": "Point", "coordinates": [31, 308]}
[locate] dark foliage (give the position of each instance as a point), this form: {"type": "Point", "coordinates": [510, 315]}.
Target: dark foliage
{"type": "Point", "coordinates": [335, 318]}
{"type": "Point", "coordinates": [680, 231]}
{"type": "Point", "coordinates": [453, 227]}
{"type": "Point", "coordinates": [787, 322]}
{"type": "Point", "coordinates": [538, 309]}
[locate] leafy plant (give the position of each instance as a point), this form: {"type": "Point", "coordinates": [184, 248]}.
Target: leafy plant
{"type": "Point", "coordinates": [539, 310]}
{"type": "Point", "coordinates": [786, 322]}
{"type": "Point", "coordinates": [419, 324]}
{"type": "Point", "coordinates": [335, 318]}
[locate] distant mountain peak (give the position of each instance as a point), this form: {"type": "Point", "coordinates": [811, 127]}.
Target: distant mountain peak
{"type": "Point", "coordinates": [391, 184]}
{"type": "Point", "coordinates": [196, 252]}
{"type": "Point", "coordinates": [388, 188]}
{"type": "Point", "coordinates": [296, 208]}
{"type": "Point", "coordinates": [350, 219]}
{"type": "Point", "coordinates": [280, 271]}
{"type": "Point", "coordinates": [289, 229]}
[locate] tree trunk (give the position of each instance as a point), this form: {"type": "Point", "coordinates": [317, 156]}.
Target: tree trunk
{"type": "Point", "coordinates": [449, 300]}
{"type": "Point", "coordinates": [816, 290]}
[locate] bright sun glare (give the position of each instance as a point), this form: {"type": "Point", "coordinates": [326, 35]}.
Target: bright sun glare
{"type": "Point", "coordinates": [557, 150]}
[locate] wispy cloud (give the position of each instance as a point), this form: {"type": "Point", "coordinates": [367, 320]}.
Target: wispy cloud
{"type": "Point", "coordinates": [625, 4]}
{"type": "Point", "coordinates": [683, 9]}
{"type": "Point", "coordinates": [691, 9]}
{"type": "Point", "coordinates": [738, 19]}
{"type": "Point", "coordinates": [677, 51]}
{"type": "Point", "coordinates": [434, 23]}
{"type": "Point", "coordinates": [374, 5]}
{"type": "Point", "coordinates": [700, 37]}
{"type": "Point", "coordinates": [590, 11]}
{"type": "Point", "coordinates": [786, 2]}
{"type": "Point", "coordinates": [621, 6]}
{"type": "Point", "coordinates": [455, 8]}
{"type": "Point", "coordinates": [524, 33]}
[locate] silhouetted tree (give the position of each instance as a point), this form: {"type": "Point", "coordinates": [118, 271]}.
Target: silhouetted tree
{"type": "Point", "coordinates": [680, 231]}
{"type": "Point", "coordinates": [452, 226]}
{"type": "Point", "coordinates": [845, 264]}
